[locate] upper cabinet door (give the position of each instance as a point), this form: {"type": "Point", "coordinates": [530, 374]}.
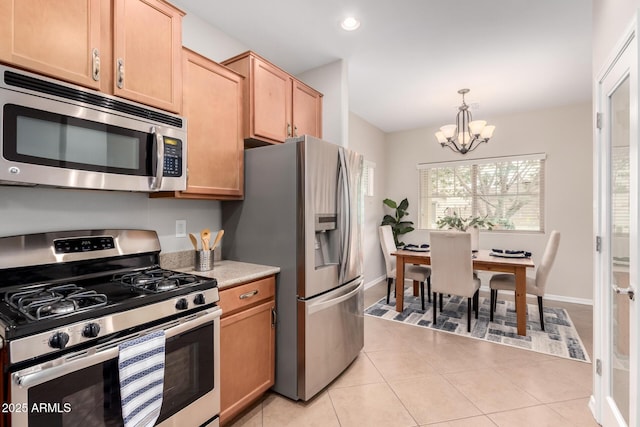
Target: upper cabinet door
{"type": "Point", "coordinates": [271, 101]}
{"type": "Point", "coordinates": [147, 53]}
{"type": "Point", "coordinates": [213, 107]}
{"type": "Point", "coordinates": [58, 38]}
{"type": "Point", "coordinates": [307, 110]}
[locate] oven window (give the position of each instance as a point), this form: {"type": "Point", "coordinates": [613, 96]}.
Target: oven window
{"type": "Point", "coordinates": [91, 396]}
{"type": "Point", "coordinates": [49, 139]}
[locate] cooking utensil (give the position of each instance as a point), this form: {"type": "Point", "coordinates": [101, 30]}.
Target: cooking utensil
{"type": "Point", "coordinates": [205, 237]}
{"type": "Point", "coordinates": [217, 239]}
{"type": "Point", "coordinates": [194, 241]}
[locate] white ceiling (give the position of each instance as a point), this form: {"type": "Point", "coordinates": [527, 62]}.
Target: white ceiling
{"type": "Point", "coordinates": [408, 59]}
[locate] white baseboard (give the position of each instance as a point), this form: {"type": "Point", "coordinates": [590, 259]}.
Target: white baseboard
{"type": "Point", "coordinates": [375, 281]}
{"type": "Point", "coordinates": [561, 298]}
{"type": "Point", "coordinates": [548, 297]}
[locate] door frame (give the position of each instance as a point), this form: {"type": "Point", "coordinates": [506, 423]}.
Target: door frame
{"type": "Point", "coordinates": [601, 404]}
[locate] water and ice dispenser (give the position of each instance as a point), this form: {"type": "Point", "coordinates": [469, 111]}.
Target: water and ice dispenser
{"type": "Point", "coordinates": [327, 241]}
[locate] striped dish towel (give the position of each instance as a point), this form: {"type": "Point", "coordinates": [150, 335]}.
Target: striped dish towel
{"type": "Point", "coordinates": [141, 366]}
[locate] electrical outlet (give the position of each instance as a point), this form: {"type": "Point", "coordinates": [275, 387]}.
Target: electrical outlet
{"type": "Point", "coordinates": [181, 228]}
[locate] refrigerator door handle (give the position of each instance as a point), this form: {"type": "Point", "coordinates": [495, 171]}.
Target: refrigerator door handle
{"type": "Point", "coordinates": [344, 210]}
{"type": "Point", "coordinates": [322, 304]}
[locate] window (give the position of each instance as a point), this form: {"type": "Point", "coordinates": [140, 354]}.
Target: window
{"type": "Point", "coordinates": [620, 189]}
{"type": "Point", "coordinates": [368, 169]}
{"type": "Point", "coordinates": [509, 191]}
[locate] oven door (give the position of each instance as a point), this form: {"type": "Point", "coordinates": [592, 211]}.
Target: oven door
{"type": "Point", "coordinates": [83, 388]}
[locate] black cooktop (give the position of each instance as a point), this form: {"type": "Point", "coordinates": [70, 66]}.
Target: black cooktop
{"type": "Point", "coordinates": [98, 296]}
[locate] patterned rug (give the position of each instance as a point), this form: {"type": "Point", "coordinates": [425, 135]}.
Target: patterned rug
{"type": "Point", "coordinates": [559, 339]}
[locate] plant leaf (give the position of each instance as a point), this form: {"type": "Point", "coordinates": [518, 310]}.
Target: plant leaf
{"type": "Point", "coordinates": [404, 204]}
{"type": "Point", "coordinates": [388, 220]}
{"type": "Point", "coordinates": [390, 203]}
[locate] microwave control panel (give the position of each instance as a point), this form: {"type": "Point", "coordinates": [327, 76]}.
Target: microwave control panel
{"type": "Point", "coordinates": [172, 157]}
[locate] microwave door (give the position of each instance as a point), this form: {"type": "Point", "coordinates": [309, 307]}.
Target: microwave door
{"type": "Point", "coordinates": [61, 135]}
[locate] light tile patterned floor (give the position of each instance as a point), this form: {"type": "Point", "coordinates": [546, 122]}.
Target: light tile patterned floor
{"type": "Point", "coordinates": [409, 376]}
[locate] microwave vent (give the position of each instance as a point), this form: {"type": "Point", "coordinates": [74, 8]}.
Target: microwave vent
{"type": "Point", "coordinates": [74, 94]}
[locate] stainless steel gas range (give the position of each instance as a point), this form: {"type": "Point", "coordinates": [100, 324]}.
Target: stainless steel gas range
{"type": "Point", "coordinates": [73, 303]}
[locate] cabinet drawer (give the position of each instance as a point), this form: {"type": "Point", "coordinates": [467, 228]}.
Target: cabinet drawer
{"type": "Point", "coordinates": [247, 295]}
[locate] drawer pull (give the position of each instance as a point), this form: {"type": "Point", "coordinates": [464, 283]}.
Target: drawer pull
{"type": "Point", "coordinates": [249, 294]}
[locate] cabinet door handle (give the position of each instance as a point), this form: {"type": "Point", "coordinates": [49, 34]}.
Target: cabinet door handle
{"type": "Point", "coordinates": [274, 317]}
{"type": "Point", "coordinates": [249, 294]}
{"type": "Point", "coordinates": [95, 71]}
{"type": "Point", "coordinates": [295, 131]}
{"type": "Point", "coordinates": [288, 129]}
{"type": "Point", "coordinates": [120, 79]}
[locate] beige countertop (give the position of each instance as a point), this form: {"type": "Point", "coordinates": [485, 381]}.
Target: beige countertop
{"type": "Point", "coordinates": [229, 273]}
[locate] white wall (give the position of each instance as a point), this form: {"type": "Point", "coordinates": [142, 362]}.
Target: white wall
{"type": "Point", "coordinates": [35, 210]}
{"type": "Point", "coordinates": [331, 81]}
{"type": "Point", "coordinates": [207, 40]}
{"type": "Point", "coordinates": [369, 141]}
{"type": "Point", "coordinates": [610, 19]}
{"type": "Point", "coordinates": [564, 134]}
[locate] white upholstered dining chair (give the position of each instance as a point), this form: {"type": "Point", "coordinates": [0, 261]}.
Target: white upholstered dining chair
{"type": "Point", "coordinates": [417, 273]}
{"type": "Point", "coordinates": [452, 269]}
{"type": "Point", "coordinates": [535, 286]}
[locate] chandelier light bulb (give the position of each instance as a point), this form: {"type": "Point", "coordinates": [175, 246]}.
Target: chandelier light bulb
{"type": "Point", "coordinates": [487, 132]}
{"type": "Point", "coordinates": [476, 126]}
{"type": "Point", "coordinates": [448, 131]}
{"type": "Point", "coordinates": [441, 138]}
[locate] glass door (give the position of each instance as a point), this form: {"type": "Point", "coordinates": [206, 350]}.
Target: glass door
{"type": "Point", "coordinates": [617, 224]}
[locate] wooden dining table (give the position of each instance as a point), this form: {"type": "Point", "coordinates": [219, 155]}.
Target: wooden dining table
{"type": "Point", "coordinates": [482, 261]}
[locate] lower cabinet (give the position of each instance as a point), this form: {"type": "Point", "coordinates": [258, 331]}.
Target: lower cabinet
{"type": "Point", "coordinates": [247, 345]}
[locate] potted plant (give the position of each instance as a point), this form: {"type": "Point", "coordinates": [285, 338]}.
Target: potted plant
{"type": "Point", "coordinates": [471, 224]}
{"type": "Point", "coordinates": [398, 225]}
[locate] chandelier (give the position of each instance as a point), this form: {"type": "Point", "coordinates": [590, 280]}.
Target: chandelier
{"type": "Point", "coordinates": [466, 134]}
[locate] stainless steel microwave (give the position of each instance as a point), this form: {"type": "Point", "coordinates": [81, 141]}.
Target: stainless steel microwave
{"type": "Point", "coordinates": [57, 134]}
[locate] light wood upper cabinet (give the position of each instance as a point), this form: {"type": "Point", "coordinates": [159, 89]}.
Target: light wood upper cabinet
{"type": "Point", "coordinates": [271, 90]}
{"type": "Point", "coordinates": [82, 41]}
{"type": "Point", "coordinates": [212, 105]}
{"type": "Point", "coordinates": [307, 110]}
{"type": "Point", "coordinates": [277, 106]}
{"type": "Point", "coordinates": [147, 53]}
{"type": "Point", "coordinates": [58, 38]}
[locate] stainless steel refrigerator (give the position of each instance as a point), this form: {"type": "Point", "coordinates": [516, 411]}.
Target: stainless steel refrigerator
{"type": "Point", "coordinates": [302, 211]}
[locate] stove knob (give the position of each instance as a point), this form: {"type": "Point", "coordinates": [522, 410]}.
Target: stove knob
{"type": "Point", "coordinates": [59, 340]}
{"type": "Point", "coordinates": [199, 299]}
{"type": "Point", "coordinates": [91, 330]}
{"type": "Point", "coordinates": [182, 304]}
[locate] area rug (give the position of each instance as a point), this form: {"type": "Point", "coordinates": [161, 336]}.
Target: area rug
{"type": "Point", "coordinates": [560, 337]}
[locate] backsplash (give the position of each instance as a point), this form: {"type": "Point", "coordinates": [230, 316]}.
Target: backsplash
{"type": "Point", "coordinates": [184, 259]}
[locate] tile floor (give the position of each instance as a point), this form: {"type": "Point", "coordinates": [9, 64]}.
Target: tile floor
{"type": "Point", "coordinates": [410, 376]}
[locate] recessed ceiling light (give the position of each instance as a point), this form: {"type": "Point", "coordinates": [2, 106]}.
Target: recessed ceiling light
{"type": "Point", "coordinates": [350, 23]}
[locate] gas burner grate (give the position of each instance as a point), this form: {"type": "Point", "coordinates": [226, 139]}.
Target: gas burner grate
{"type": "Point", "coordinates": [44, 302]}
{"type": "Point", "coordinates": [155, 280]}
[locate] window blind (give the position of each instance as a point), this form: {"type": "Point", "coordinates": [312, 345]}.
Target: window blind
{"type": "Point", "coordinates": [509, 191]}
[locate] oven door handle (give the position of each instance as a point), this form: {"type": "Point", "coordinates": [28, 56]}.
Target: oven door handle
{"type": "Point", "coordinates": [29, 379]}
{"type": "Point", "coordinates": [75, 361]}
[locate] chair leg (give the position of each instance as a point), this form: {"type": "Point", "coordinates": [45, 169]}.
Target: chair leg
{"type": "Point", "coordinates": [389, 280]}
{"type": "Point", "coordinates": [429, 287]}
{"type": "Point", "coordinates": [541, 313]}
{"type": "Point", "coordinates": [435, 311]}
{"type": "Point", "coordinates": [476, 302]}
{"type": "Point", "coordinates": [422, 294]}
{"type": "Point", "coordinates": [468, 314]}
{"type": "Point", "coordinates": [440, 303]}
{"type": "Point", "coordinates": [491, 302]}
